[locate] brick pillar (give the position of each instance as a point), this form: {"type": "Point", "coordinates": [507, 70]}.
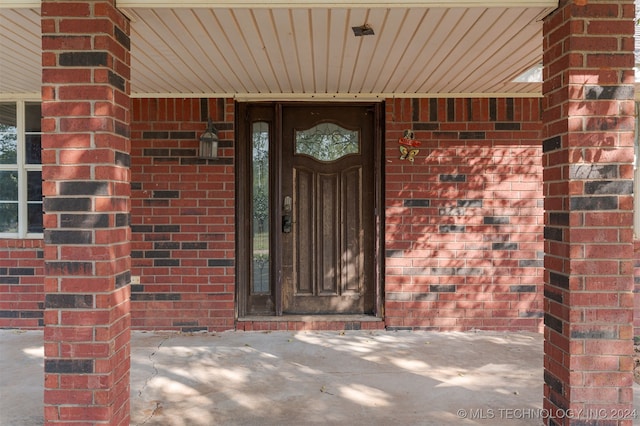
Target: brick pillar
{"type": "Point", "coordinates": [85, 158]}
{"type": "Point", "coordinates": [588, 180]}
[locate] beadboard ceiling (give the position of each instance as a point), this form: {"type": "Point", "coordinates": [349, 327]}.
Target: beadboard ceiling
{"type": "Point", "coordinates": [306, 49]}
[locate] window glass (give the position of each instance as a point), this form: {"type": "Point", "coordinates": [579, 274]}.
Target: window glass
{"type": "Point", "coordinates": [8, 217]}
{"type": "Point", "coordinates": [33, 117]}
{"type": "Point", "coordinates": [33, 149]}
{"type": "Point", "coordinates": [34, 220]}
{"type": "Point", "coordinates": [9, 185]}
{"type": "Point", "coordinates": [8, 133]}
{"type": "Point", "coordinates": [327, 142]}
{"type": "Point", "coordinates": [260, 206]}
{"type": "Point", "coordinates": [34, 186]}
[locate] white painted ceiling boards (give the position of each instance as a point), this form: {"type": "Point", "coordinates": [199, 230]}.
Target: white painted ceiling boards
{"type": "Point", "coordinates": [306, 49]}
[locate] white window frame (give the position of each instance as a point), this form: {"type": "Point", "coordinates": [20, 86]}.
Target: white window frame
{"type": "Point", "coordinates": [22, 169]}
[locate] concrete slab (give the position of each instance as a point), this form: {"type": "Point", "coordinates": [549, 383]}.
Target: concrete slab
{"type": "Point", "coordinates": [21, 378]}
{"type": "Point", "coordinates": [306, 378]}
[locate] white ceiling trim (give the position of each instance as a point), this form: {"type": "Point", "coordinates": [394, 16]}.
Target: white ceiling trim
{"type": "Point", "coordinates": [19, 4]}
{"type": "Point", "coordinates": [289, 4]}
{"type": "Point", "coordinates": [21, 96]}
{"type": "Point", "coordinates": [31, 4]}
{"type": "Point", "coordinates": [331, 96]}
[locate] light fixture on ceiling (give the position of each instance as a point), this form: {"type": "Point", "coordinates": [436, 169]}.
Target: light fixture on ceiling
{"type": "Point", "coordinates": [362, 30]}
{"type": "Point", "coordinates": [209, 142]}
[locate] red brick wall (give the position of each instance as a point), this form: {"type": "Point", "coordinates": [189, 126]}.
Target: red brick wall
{"type": "Point", "coordinates": [463, 223]}
{"type": "Point", "coordinates": [588, 184]}
{"type": "Point", "coordinates": [86, 189]}
{"type": "Point", "coordinates": [464, 231]}
{"type": "Point", "coordinates": [182, 216]}
{"type": "Point", "coordinates": [21, 284]}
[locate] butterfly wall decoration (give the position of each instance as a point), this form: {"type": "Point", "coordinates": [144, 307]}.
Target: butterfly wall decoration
{"type": "Point", "coordinates": [408, 146]}
{"type": "Point", "coordinates": [408, 153]}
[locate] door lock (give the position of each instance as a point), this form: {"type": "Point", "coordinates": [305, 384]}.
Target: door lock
{"type": "Point", "coordinates": [287, 207]}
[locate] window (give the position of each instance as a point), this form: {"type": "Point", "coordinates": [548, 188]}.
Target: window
{"type": "Point", "coordinates": [20, 170]}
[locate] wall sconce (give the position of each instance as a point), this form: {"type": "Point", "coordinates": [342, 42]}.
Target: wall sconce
{"type": "Point", "coordinates": [209, 142]}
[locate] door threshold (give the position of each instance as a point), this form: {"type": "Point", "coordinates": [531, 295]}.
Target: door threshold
{"type": "Point", "coordinates": [311, 318]}
{"type": "Point", "coordinates": [310, 322]}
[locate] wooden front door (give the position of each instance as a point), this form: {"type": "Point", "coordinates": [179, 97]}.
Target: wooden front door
{"type": "Point", "coordinates": [328, 210]}
{"type": "Point", "coordinates": [309, 224]}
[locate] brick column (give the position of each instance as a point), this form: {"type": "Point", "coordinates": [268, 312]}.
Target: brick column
{"type": "Point", "coordinates": [85, 158]}
{"type": "Point", "coordinates": [588, 181]}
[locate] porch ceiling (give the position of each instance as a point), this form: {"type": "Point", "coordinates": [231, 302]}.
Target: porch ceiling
{"type": "Point", "coordinates": [307, 49]}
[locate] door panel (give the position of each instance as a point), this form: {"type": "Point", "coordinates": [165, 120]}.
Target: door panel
{"type": "Point", "coordinates": [304, 233]}
{"type": "Point", "coordinates": [352, 255]}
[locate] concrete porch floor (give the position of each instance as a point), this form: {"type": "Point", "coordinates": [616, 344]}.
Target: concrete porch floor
{"type": "Point", "coordinates": [307, 378]}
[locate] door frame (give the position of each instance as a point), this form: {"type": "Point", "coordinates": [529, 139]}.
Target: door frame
{"type": "Point", "coordinates": [271, 111]}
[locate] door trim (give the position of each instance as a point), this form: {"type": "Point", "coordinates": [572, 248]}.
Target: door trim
{"type": "Point", "coordinates": [245, 114]}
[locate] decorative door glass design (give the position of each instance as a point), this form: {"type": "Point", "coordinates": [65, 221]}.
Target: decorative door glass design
{"type": "Point", "coordinates": [327, 142]}
{"type": "Point", "coordinates": [261, 218]}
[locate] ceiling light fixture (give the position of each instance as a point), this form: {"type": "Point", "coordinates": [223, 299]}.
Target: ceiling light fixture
{"type": "Point", "coordinates": [362, 30]}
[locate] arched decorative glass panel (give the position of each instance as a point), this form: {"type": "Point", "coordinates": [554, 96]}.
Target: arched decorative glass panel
{"type": "Point", "coordinates": [327, 142]}
{"type": "Point", "coordinates": [261, 218]}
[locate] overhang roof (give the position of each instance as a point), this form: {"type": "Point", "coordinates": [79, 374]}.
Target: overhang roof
{"type": "Point", "coordinates": [306, 48]}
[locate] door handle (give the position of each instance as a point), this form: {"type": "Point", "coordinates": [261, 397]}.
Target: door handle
{"type": "Point", "coordinates": [286, 223]}
{"type": "Point", "coordinates": [287, 207]}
